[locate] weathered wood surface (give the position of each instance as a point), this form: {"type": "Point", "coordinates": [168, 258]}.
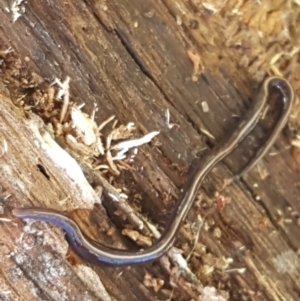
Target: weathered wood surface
{"type": "Point", "coordinates": [130, 57]}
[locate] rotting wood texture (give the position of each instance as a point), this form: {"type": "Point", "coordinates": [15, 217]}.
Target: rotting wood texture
{"type": "Point", "coordinates": [136, 60]}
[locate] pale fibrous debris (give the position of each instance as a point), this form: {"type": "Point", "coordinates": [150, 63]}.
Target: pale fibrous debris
{"type": "Point", "coordinates": [178, 20]}
{"type": "Point", "coordinates": [286, 262]}
{"type": "Point", "coordinates": [105, 122]}
{"type": "Point", "coordinates": [155, 283]}
{"type": "Point", "coordinates": [209, 293]}
{"type": "Point", "coordinates": [63, 91]}
{"type": "Point", "coordinates": [177, 258]}
{"type": "Point", "coordinates": [123, 196]}
{"type": "Point", "coordinates": [111, 164]}
{"type": "Point", "coordinates": [5, 292]}
{"type": "Point", "coordinates": [126, 145]}
{"type": "Point", "coordinates": [197, 63]}
{"type": "Point", "coordinates": [168, 118]}
{"type": "Point", "coordinates": [296, 142]}
{"type": "Point", "coordinates": [217, 233]}
{"type": "Point", "coordinates": [5, 220]}
{"type": "Point", "coordinates": [200, 225]}
{"type": "Point", "coordinates": [170, 125]}
{"type": "Point", "coordinates": [64, 201]}
{"type": "Point", "coordinates": [6, 197]}
{"type": "Point", "coordinates": [239, 271]}
{"type": "Point", "coordinates": [222, 263]}
{"type": "Point", "coordinates": [210, 7]}
{"type": "Point", "coordinates": [64, 86]}
{"type": "Point", "coordinates": [80, 148]}
{"type": "Point", "coordinates": [6, 51]}
{"type": "Point", "coordinates": [114, 197]}
{"type": "Point", "coordinates": [3, 147]}
{"type": "Point", "coordinates": [79, 107]}
{"type": "Point", "coordinates": [84, 126]}
{"type": "Point", "coordinates": [17, 10]}
{"type": "Point", "coordinates": [122, 132]}
{"type": "Point", "coordinates": [155, 233]}
{"type": "Point", "coordinates": [205, 107]}
{"type": "Point", "coordinates": [207, 133]}
{"type": "Point", "coordinates": [141, 240]}
{"type": "Point", "coordinates": [84, 136]}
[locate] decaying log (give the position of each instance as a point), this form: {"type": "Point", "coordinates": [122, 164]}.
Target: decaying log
{"type": "Point", "coordinates": [202, 63]}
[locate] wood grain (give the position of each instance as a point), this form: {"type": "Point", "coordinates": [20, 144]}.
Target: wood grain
{"type": "Point", "coordinates": [132, 58]}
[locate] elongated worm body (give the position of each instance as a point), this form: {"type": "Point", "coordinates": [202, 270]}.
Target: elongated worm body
{"type": "Point", "coordinates": [99, 254]}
